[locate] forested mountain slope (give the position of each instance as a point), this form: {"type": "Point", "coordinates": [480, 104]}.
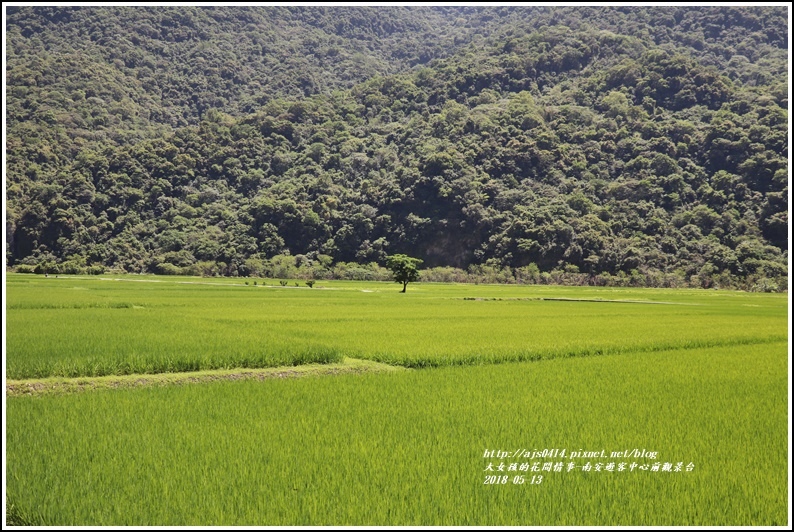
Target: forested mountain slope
{"type": "Point", "coordinates": [642, 142]}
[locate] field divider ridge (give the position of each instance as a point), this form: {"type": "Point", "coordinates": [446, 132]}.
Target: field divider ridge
{"type": "Point", "coordinates": [577, 300]}
{"type": "Point", "coordinates": [48, 385]}
{"type": "Point", "coordinates": [537, 356]}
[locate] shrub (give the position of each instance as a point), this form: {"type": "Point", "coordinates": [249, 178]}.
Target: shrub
{"type": "Point", "coordinates": [46, 267]}
{"type": "Point", "coordinates": [71, 267]}
{"type": "Point", "coordinates": [96, 269]}
{"type": "Point", "coordinates": [166, 268]}
{"type": "Point", "coordinates": [765, 285]}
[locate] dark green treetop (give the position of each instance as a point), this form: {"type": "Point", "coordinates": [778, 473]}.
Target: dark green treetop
{"type": "Point", "coordinates": [404, 268]}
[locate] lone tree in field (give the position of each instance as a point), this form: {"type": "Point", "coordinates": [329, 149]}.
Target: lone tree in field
{"type": "Point", "coordinates": [404, 269]}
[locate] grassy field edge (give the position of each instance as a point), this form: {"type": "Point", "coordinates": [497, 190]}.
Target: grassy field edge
{"type": "Point", "coordinates": [57, 384]}
{"type": "Point", "coordinates": [29, 387]}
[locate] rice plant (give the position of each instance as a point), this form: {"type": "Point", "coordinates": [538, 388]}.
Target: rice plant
{"type": "Point", "coordinates": [143, 324]}
{"type": "Point", "coordinates": [408, 448]}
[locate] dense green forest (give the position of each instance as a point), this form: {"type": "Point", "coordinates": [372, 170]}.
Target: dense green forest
{"type": "Point", "coordinates": [624, 145]}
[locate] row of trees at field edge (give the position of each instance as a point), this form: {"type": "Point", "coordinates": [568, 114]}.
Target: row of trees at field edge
{"type": "Point", "coordinates": [323, 268]}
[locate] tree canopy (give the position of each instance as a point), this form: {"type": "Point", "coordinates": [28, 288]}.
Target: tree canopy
{"type": "Point", "coordinates": [404, 268]}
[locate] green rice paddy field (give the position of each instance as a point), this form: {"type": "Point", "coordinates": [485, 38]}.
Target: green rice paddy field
{"type": "Point", "coordinates": [700, 378]}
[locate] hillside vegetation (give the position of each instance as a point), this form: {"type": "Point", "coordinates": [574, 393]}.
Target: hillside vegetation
{"type": "Point", "coordinates": [643, 146]}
